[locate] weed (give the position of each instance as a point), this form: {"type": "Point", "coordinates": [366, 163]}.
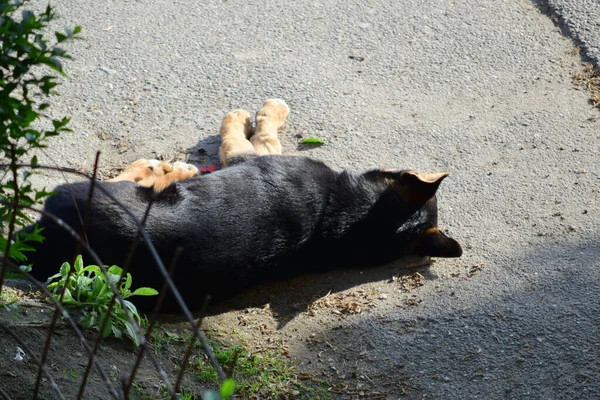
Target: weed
{"type": "Point", "coordinates": [23, 95]}
{"type": "Point", "coordinates": [184, 394]}
{"type": "Point", "coordinates": [161, 338]}
{"type": "Point", "coordinates": [313, 392]}
{"type": "Point", "coordinates": [263, 374]}
{"type": "Point", "coordinates": [74, 374]}
{"type": "Point", "coordinates": [8, 298]}
{"type": "Point", "coordinates": [266, 373]}
{"type": "Point", "coordinates": [88, 289]}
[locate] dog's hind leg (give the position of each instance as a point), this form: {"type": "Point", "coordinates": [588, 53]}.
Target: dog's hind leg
{"type": "Point", "coordinates": [235, 131]}
{"type": "Point", "coordinates": [269, 119]}
{"type": "Point", "coordinates": [155, 173]}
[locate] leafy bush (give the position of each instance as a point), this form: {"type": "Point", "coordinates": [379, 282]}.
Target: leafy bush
{"type": "Point", "coordinates": [24, 89]}
{"type": "Point", "coordinates": [88, 288]}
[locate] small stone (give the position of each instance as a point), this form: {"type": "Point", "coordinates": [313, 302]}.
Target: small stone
{"type": "Point", "coordinates": [108, 70]}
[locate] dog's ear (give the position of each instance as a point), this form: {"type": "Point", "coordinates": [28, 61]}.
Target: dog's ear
{"type": "Point", "coordinates": [413, 188]}
{"type": "Point", "coordinates": [434, 243]}
{"type": "Point", "coordinates": [418, 188]}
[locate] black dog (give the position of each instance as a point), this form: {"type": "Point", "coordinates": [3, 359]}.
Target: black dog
{"type": "Point", "coordinates": [265, 216]}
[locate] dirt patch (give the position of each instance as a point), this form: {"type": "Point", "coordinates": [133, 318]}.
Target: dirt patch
{"type": "Point", "coordinates": [248, 343]}
{"type": "Point", "coordinates": [589, 79]}
{"type": "Point", "coordinates": [261, 368]}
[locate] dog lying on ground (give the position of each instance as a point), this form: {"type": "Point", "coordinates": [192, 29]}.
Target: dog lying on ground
{"type": "Point", "coordinates": [264, 216]}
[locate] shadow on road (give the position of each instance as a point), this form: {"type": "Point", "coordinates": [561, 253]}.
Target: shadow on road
{"type": "Point", "coordinates": [539, 342]}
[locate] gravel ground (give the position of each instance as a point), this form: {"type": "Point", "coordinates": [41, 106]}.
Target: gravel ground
{"type": "Point", "coordinates": [480, 89]}
{"type": "Point", "coordinates": [581, 18]}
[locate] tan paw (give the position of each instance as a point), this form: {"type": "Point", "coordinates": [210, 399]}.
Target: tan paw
{"type": "Point", "coordinates": [275, 110]}
{"type": "Point", "coordinates": [142, 170]}
{"type": "Point", "coordinates": [235, 131]}
{"type": "Point", "coordinates": [269, 119]}
{"type": "Point", "coordinates": [183, 170]}
{"type": "Point", "coordinates": [155, 173]}
{"type": "Point", "coordinates": [237, 121]}
{"type": "Point", "coordinates": [179, 171]}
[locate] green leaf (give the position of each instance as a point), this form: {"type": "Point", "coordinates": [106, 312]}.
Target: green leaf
{"type": "Point", "coordinates": [41, 194]}
{"type": "Point", "coordinates": [68, 298]}
{"type": "Point", "coordinates": [26, 268]}
{"type": "Point", "coordinates": [130, 332]}
{"type": "Point", "coordinates": [50, 279]}
{"type": "Point", "coordinates": [114, 274]}
{"type": "Point", "coordinates": [88, 320]}
{"type": "Point", "coordinates": [144, 291]}
{"type": "Point", "coordinates": [60, 37]}
{"type": "Point", "coordinates": [115, 270]}
{"type": "Point", "coordinates": [117, 332]}
{"type": "Point", "coordinates": [227, 388]}
{"type": "Point", "coordinates": [131, 307]}
{"type": "Point", "coordinates": [93, 270]}
{"type": "Point", "coordinates": [108, 327]}
{"type": "Point", "coordinates": [312, 140]}
{"type": "Point", "coordinates": [127, 283]}
{"type": "Point", "coordinates": [78, 264]}
{"type": "Point", "coordinates": [64, 269]}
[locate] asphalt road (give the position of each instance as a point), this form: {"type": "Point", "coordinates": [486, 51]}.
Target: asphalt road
{"type": "Point", "coordinates": [581, 20]}
{"type": "Point", "coordinates": [480, 89]}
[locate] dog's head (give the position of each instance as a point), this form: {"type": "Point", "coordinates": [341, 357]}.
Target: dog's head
{"type": "Point", "coordinates": [409, 199]}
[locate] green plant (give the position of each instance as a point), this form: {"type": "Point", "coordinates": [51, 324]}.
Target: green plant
{"type": "Point", "coordinates": [88, 288]}
{"type": "Point", "coordinates": [184, 394]}
{"type": "Point", "coordinates": [24, 89]}
{"type": "Point", "coordinates": [8, 298]}
{"type": "Point", "coordinates": [267, 374]}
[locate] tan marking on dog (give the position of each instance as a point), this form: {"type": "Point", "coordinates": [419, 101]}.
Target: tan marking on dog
{"type": "Point", "coordinates": [429, 177]}
{"type": "Point", "coordinates": [269, 119]}
{"type": "Point", "coordinates": [235, 131]}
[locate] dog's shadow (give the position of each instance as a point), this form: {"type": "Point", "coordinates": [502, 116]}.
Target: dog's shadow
{"type": "Point", "coordinates": [205, 152]}
{"type": "Point", "coordinates": [291, 297]}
